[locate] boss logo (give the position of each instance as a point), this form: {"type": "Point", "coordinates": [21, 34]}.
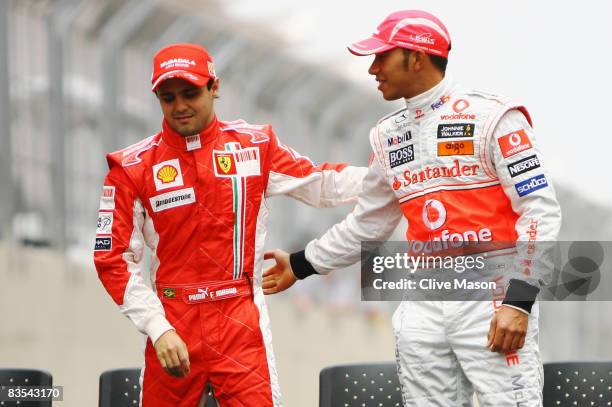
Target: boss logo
{"type": "Point", "coordinates": [401, 156]}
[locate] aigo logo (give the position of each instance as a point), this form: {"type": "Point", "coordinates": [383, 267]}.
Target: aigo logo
{"type": "Point", "coordinates": [434, 214]}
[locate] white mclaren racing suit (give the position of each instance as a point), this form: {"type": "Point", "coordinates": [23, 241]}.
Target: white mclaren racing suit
{"type": "Point", "coordinates": [460, 165]}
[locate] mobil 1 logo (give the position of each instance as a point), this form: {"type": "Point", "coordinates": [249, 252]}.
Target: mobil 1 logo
{"type": "Point", "coordinates": [401, 156]}
{"type": "Point", "coordinates": [522, 166]}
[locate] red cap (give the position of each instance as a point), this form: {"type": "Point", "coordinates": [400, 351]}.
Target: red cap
{"type": "Point", "coordinates": [187, 61]}
{"type": "Point", "coordinates": [412, 29]}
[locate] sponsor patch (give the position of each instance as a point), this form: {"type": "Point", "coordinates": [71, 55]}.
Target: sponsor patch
{"type": "Point", "coordinates": [107, 200]}
{"type": "Point", "coordinates": [169, 292]}
{"type": "Point", "coordinates": [458, 116]}
{"type": "Point", "coordinates": [193, 142]}
{"type": "Point", "coordinates": [402, 117]}
{"type": "Point", "coordinates": [532, 184]}
{"type": "Point", "coordinates": [433, 172]}
{"type": "Point", "coordinates": [401, 156]}
{"type": "Point", "coordinates": [456, 148]}
{"type": "Point", "coordinates": [522, 166]}
{"type": "Point", "coordinates": [195, 295]}
{"type": "Point", "coordinates": [167, 174]}
{"type": "Point", "coordinates": [456, 130]}
{"type": "Point", "coordinates": [105, 223]}
{"type": "Point", "coordinates": [403, 138]}
{"type": "Point", "coordinates": [513, 143]}
{"type": "Point", "coordinates": [241, 163]}
{"type": "Point", "coordinates": [440, 102]}
{"type": "Point", "coordinates": [103, 244]}
{"type": "Point", "coordinates": [460, 105]}
{"type": "Point", "coordinates": [172, 199]}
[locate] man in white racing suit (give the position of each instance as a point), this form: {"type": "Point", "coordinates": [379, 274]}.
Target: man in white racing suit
{"type": "Point", "coordinates": [460, 165]}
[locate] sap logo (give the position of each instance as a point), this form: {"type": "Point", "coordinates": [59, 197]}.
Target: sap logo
{"type": "Point", "coordinates": [401, 156]}
{"type": "Point", "coordinates": [532, 184]}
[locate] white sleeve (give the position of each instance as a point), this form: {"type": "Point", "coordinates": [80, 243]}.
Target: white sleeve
{"type": "Point", "coordinates": [374, 218]}
{"type": "Point", "coordinates": [325, 185]}
{"type": "Point", "coordinates": [521, 171]}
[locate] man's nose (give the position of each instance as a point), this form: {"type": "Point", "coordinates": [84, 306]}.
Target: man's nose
{"type": "Point", "coordinates": [373, 70]}
{"type": "Point", "coordinates": [180, 104]}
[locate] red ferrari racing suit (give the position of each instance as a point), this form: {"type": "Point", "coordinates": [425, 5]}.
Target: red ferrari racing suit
{"type": "Point", "coordinates": [199, 204]}
{"type": "Point", "coordinates": [460, 165]}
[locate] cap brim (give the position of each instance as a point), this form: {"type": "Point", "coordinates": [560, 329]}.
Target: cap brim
{"type": "Point", "coordinates": [195, 79]}
{"type": "Point", "coordinates": [370, 46]}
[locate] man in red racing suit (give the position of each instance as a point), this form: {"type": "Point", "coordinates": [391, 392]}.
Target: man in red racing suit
{"type": "Point", "coordinates": [460, 165]}
{"type": "Point", "coordinates": [195, 194]}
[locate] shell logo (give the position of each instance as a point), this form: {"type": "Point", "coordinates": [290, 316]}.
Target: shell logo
{"type": "Point", "coordinates": [167, 174]}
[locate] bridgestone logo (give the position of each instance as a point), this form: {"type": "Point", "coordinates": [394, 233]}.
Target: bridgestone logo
{"type": "Point", "coordinates": [172, 199]}
{"type": "Point", "coordinates": [524, 165]}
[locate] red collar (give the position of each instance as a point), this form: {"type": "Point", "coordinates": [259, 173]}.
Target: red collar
{"type": "Point", "coordinates": [175, 140]}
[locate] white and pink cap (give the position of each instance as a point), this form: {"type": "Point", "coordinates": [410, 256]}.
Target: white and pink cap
{"type": "Point", "coordinates": [412, 29]}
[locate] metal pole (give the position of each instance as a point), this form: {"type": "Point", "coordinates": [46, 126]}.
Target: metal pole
{"type": "Point", "coordinates": [114, 35]}
{"type": "Point", "coordinates": [7, 209]}
{"type": "Point", "coordinates": [58, 26]}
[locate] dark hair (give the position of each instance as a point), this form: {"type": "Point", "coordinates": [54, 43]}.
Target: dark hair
{"type": "Point", "coordinates": [437, 61]}
{"type": "Point", "coordinates": [210, 83]}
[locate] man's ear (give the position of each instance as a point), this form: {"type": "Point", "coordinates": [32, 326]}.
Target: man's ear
{"type": "Point", "coordinates": [215, 88]}
{"type": "Point", "coordinates": [420, 60]}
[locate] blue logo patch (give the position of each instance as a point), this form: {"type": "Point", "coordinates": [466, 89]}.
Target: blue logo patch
{"type": "Point", "coordinates": [103, 244]}
{"type": "Point", "coordinates": [532, 184]}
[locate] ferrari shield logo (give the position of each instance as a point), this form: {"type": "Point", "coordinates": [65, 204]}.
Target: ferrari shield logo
{"type": "Point", "coordinates": [225, 162]}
